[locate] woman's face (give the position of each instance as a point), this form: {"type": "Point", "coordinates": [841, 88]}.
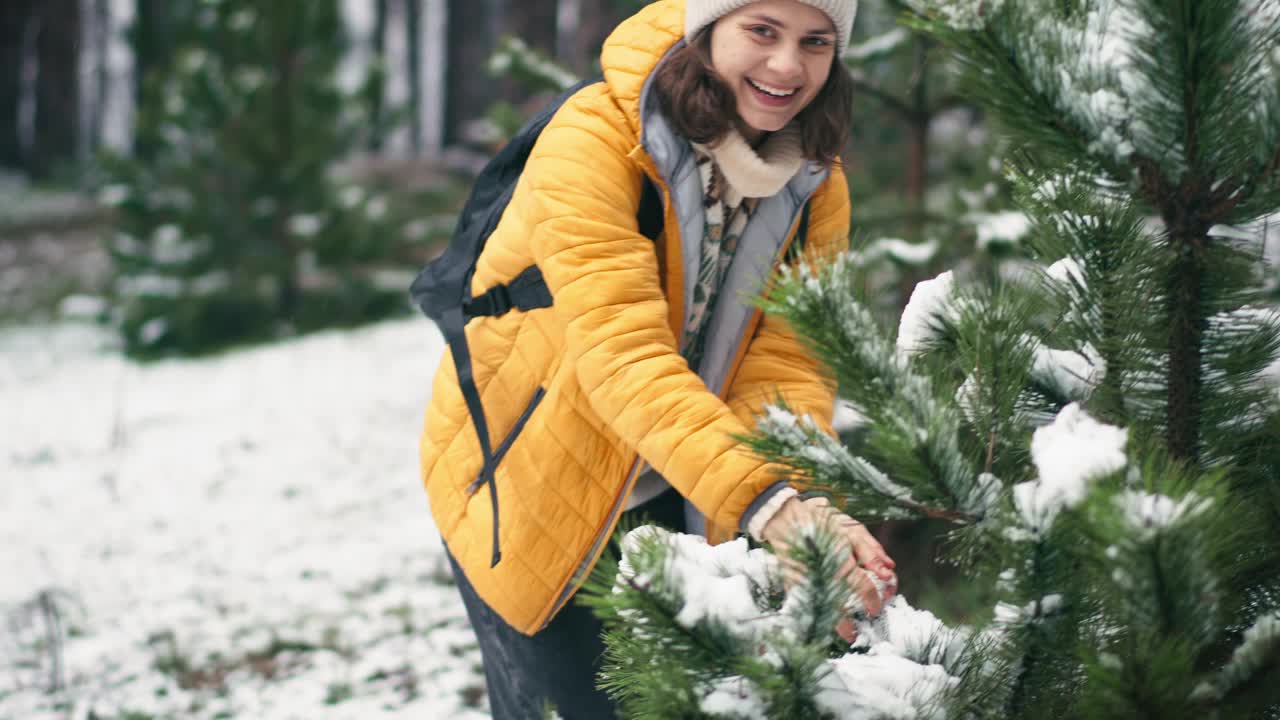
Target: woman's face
{"type": "Point", "coordinates": [776, 56]}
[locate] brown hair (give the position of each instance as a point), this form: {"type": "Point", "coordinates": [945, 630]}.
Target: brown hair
{"type": "Point", "coordinates": [702, 108]}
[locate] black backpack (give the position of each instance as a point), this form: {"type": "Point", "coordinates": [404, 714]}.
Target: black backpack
{"type": "Point", "coordinates": [442, 289]}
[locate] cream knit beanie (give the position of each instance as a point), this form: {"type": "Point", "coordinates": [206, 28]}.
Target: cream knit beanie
{"type": "Point", "coordinates": [700, 13]}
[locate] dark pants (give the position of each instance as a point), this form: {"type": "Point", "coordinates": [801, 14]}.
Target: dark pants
{"type": "Point", "coordinates": [559, 664]}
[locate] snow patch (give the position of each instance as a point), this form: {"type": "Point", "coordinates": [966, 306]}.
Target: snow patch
{"type": "Point", "coordinates": [1072, 374]}
{"type": "Point", "coordinates": [203, 509]}
{"type": "Point", "coordinates": [878, 46]}
{"type": "Point", "coordinates": [1149, 513]}
{"type": "Point", "coordinates": [1260, 643]}
{"type": "Point", "coordinates": [714, 581]}
{"type": "Point", "coordinates": [928, 301]}
{"type": "Point", "coordinates": [1008, 228]}
{"type": "Point", "coordinates": [1068, 270]}
{"type": "Point", "coordinates": [894, 677]}
{"type": "Point", "coordinates": [734, 697]}
{"type": "Point", "coordinates": [846, 417]}
{"type": "Point", "coordinates": [1068, 454]}
{"type": "Point", "coordinates": [879, 686]}
{"type": "Point", "coordinates": [1008, 615]}
{"type": "Point", "coordinates": [901, 251]}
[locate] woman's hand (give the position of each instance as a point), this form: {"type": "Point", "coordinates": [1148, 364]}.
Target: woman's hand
{"type": "Point", "coordinates": [867, 568]}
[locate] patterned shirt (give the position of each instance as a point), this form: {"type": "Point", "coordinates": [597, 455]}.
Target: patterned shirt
{"type": "Point", "coordinates": [727, 213]}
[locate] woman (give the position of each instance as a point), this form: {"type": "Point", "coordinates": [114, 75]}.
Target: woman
{"type": "Point", "coordinates": [627, 392]}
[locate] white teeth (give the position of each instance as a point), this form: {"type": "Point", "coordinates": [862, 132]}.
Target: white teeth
{"type": "Point", "coordinates": [768, 90]}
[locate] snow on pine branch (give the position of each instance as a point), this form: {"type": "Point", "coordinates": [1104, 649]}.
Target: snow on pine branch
{"type": "Point", "coordinates": [896, 673]}
{"type": "Point", "coordinates": [1070, 273]}
{"type": "Point", "coordinates": [1008, 615]}
{"type": "Point", "coordinates": [514, 56]}
{"type": "Point", "coordinates": [1107, 71]}
{"type": "Point", "coordinates": [829, 462]}
{"type": "Point", "coordinates": [877, 47]}
{"type": "Point", "coordinates": [1246, 324]}
{"type": "Point", "coordinates": [846, 417]}
{"type": "Point", "coordinates": [1259, 648]}
{"type": "Point", "coordinates": [1069, 455]}
{"type": "Point", "coordinates": [898, 250]}
{"type": "Point", "coordinates": [800, 443]}
{"type": "Point", "coordinates": [1008, 227]}
{"type": "Point", "coordinates": [919, 431]}
{"type": "Point", "coordinates": [1084, 66]}
{"type": "Point", "coordinates": [959, 14]}
{"type": "Point", "coordinates": [881, 685]}
{"type": "Point", "coordinates": [1072, 374]}
{"type": "Point", "coordinates": [1150, 513]}
{"type": "Point", "coordinates": [920, 318]}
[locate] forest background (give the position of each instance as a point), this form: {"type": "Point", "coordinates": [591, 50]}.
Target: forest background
{"type": "Point", "coordinates": [139, 199]}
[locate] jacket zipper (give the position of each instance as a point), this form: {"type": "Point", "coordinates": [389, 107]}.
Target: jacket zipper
{"type": "Point", "coordinates": [589, 562]}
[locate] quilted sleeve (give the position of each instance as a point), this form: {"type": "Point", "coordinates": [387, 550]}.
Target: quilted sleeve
{"type": "Point", "coordinates": [579, 195]}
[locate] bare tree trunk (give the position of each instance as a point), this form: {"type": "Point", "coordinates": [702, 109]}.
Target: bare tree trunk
{"type": "Point", "coordinates": [380, 61]}
{"type": "Point", "coordinates": [55, 137]}
{"type": "Point", "coordinates": [13, 20]}
{"type": "Point", "coordinates": [596, 19]}
{"type": "Point", "coordinates": [431, 94]}
{"type": "Point", "coordinates": [533, 21]}
{"type": "Point", "coordinates": [96, 115]}
{"type": "Point", "coordinates": [568, 22]}
{"type": "Point", "coordinates": [471, 35]}
{"type": "Point", "coordinates": [919, 117]}
{"type": "Point", "coordinates": [153, 54]}
{"type": "Point", "coordinates": [413, 28]}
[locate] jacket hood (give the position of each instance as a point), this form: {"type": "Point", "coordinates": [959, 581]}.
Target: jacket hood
{"type": "Point", "coordinates": [635, 48]}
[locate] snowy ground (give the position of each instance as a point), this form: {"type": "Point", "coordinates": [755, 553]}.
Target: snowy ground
{"type": "Point", "coordinates": [243, 536]}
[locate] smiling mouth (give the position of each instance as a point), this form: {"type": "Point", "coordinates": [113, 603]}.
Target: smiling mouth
{"type": "Point", "coordinates": [773, 92]}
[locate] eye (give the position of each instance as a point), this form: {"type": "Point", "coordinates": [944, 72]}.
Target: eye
{"type": "Point", "coordinates": [761, 30]}
{"type": "Point", "coordinates": [817, 41]}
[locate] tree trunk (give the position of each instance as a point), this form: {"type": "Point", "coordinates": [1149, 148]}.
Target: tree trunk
{"type": "Point", "coordinates": [153, 49]}
{"type": "Point", "coordinates": [413, 56]}
{"type": "Point", "coordinates": [568, 23]}
{"type": "Point", "coordinates": [431, 94]}
{"type": "Point", "coordinates": [468, 90]}
{"type": "Point", "coordinates": [379, 60]}
{"type": "Point", "coordinates": [917, 163]}
{"type": "Point", "coordinates": [101, 78]}
{"type": "Point", "coordinates": [14, 15]}
{"type": "Point", "coordinates": [52, 33]}
{"type": "Point", "coordinates": [596, 19]}
{"type": "Point", "coordinates": [533, 21]}
{"type": "Point", "coordinates": [1186, 332]}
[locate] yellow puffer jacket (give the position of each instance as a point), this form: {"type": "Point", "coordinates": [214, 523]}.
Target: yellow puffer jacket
{"type": "Point", "coordinates": [605, 354]}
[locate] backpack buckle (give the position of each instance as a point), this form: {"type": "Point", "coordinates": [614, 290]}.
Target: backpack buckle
{"type": "Point", "coordinates": [494, 302]}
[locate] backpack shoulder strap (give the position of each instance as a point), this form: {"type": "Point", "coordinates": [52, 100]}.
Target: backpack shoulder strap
{"type": "Point", "coordinates": [528, 290]}
{"type": "Point", "coordinates": [650, 214]}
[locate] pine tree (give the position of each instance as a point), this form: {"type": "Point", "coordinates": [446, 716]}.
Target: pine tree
{"type": "Point", "coordinates": [1104, 435]}
{"type": "Point", "coordinates": [231, 225]}
{"type": "Point", "coordinates": [924, 167]}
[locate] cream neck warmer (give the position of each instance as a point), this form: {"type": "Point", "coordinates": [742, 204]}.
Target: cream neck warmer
{"type": "Point", "coordinates": [758, 173]}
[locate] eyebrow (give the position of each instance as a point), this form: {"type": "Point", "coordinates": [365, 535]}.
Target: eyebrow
{"type": "Point", "coordinates": [769, 20]}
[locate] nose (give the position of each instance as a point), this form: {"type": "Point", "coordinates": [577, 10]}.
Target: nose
{"type": "Point", "coordinates": [786, 63]}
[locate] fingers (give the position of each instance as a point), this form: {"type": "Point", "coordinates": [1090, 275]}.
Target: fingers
{"type": "Point", "coordinates": [860, 582]}
{"type": "Point", "coordinates": [869, 552]}
{"type": "Point", "coordinates": [847, 630]}
{"type": "Point", "coordinates": [870, 595]}
{"type": "Point", "coordinates": [868, 569]}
